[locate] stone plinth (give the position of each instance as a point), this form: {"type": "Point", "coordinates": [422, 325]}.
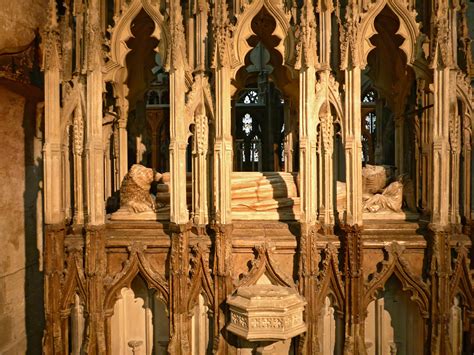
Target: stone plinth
{"type": "Point", "coordinates": [266, 313]}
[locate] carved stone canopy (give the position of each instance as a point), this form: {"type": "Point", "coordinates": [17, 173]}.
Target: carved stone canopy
{"type": "Point", "coordinates": [266, 313]}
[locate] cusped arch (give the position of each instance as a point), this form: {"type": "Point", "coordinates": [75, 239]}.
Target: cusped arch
{"type": "Point", "coordinates": [243, 32]}
{"type": "Point", "coordinates": [397, 266]}
{"type": "Point", "coordinates": [330, 281]}
{"type": "Point", "coordinates": [136, 264]}
{"type": "Point", "coordinates": [116, 67]}
{"type": "Point", "coordinates": [264, 264]}
{"type": "Point", "coordinates": [75, 282]}
{"type": "Point", "coordinates": [461, 280]}
{"type": "Point", "coordinates": [464, 92]}
{"type": "Point", "coordinates": [335, 100]}
{"type": "Point", "coordinates": [408, 29]}
{"type": "Point", "coordinates": [201, 281]}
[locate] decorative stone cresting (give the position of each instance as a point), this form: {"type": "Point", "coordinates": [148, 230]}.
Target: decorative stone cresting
{"type": "Point", "coordinates": [266, 313]}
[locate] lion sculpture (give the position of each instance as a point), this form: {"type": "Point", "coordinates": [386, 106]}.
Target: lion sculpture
{"type": "Point", "coordinates": [135, 193]}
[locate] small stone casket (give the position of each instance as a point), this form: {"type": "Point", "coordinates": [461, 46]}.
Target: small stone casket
{"type": "Point", "coordinates": [266, 313]}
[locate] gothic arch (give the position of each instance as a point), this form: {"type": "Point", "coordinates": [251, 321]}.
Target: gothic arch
{"type": "Point", "coordinates": [75, 282]}
{"type": "Point", "coordinates": [243, 31]}
{"type": "Point", "coordinates": [461, 278]}
{"type": "Point", "coordinates": [73, 99]}
{"type": "Point", "coordinates": [201, 280]}
{"type": "Point", "coordinates": [464, 92]}
{"type": "Point", "coordinates": [263, 264]}
{"type": "Point", "coordinates": [136, 263]}
{"type": "Point", "coordinates": [200, 94]}
{"type": "Point", "coordinates": [329, 279]}
{"type": "Point", "coordinates": [334, 97]}
{"type": "Point", "coordinates": [409, 30]}
{"type": "Point", "coordinates": [398, 266]}
{"type": "Point", "coordinates": [116, 67]}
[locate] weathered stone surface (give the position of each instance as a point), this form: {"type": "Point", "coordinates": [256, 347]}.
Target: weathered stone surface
{"type": "Point", "coordinates": [266, 313]}
{"type": "Point", "coordinates": [12, 260]}
{"type": "Point", "coordinates": [19, 274]}
{"type": "Point", "coordinates": [19, 20]}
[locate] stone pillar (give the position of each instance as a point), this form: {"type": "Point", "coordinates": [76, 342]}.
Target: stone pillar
{"type": "Point", "coordinates": [455, 127]}
{"type": "Point", "coordinates": [308, 144]}
{"type": "Point", "coordinates": [326, 173]}
{"type": "Point", "coordinates": [307, 273]}
{"type": "Point", "coordinates": [308, 170]}
{"type": "Point", "coordinates": [222, 283]}
{"type": "Point", "coordinates": [354, 289]}
{"type": "Point", "coordinates": [440, 147]}
{"type": "Point", "coordinates": [78, 147]}
{"type": "Point", "coordinates": [399, 144]}
{"type": "Point", "coordinates": [467, 156]}
{"type": "Point", "coordinates": [122, 141]}
{"type": "Point", "coordinates": [440, 270]}
{"type": "Point", "coordinates": [53, 269]}
{"type": "Point", "coordinates": [179, 216]}
{"type": "Point", "coordinates": [96, 261]}
{"type": "Point", "coordinates": [222, 174]}
{"type": "Point", "coordinates": [223, 147]}
{"type": "Point", "coordinates": [200, 170]}
{"type": "Point", "coordinates": [426, 142]}
{"type": "Point", "coordinates": [353, 145]}
{"type": "Point", "coordinates": [178, 143]}
{"type": "Point", "coordinates": [378, 152]}
{"type": "Point", "coordinates": [94, 144]}
{"type": "Point", "coordinates": [53, 209]}
{"type": "Point", "coordinates": [178, 285]}
{"type": "Point", "coordinates": [288, 140]}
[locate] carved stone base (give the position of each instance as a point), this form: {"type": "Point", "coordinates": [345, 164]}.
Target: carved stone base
{"type": "Point", "coordinates": [266, 313]}
{"type": "Point", "coordinates": [126, 215]}
{"type": "Point", "coordinates": [398, 216]}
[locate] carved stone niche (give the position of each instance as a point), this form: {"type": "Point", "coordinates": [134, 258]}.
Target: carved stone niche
{"type": "Point", "coordinates": [266, 313]}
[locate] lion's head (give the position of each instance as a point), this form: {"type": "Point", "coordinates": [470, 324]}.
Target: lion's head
{"type": "Point", "coordinates": [135, 190]}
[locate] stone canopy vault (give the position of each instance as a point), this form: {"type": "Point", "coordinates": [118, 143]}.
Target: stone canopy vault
{"type": "Point", "coordinates": [255, 177]}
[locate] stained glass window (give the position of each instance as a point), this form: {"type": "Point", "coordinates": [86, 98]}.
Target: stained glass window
{"type": "Point", "coordinates": [251, 97]}
{"type": "Point", "coordinates": [371, 96]}
{"type": "Point", "coordinates": [370, 120]}
{"type": "Point", "coordinates": [247, 124]}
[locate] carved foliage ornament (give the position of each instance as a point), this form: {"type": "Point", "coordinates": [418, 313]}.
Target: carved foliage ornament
{"type": "Point", "coordinates": [306, 53]}
{"type": "Point", "coordinates": [52, 54]}
{"type": "Point", "coordinates": [222, 34]}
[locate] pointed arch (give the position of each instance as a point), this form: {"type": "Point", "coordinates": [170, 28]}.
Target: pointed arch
{"type": "Point", "coordinates": [334, 97]}
{"type": "Point", "coordinates": [200, 93]}
{"type": "Point", "coordinates": [461, 280]}
{"type": "Point", "coordinates": [137, 263]}
{"type": "Point", "coordinates": [75, 282]}
{"type": "Point", "coordinates": [409, 29]}
{"type": "Point", "coordinates": [116, 68]}
{"type": "Point", "coordinates": [398, 266]}
{"type": "Point", "coordinates": [201, 280]}
{"type": "Point", "coordinates": [243, 31]}
{"type": "Point", "coordinates": [74, 98]}
{"type": "Point", "coordinates": [464, 91]}
{"type": "Point", "coordinates": [329, 279]}
{"type": "Point", "coordinates": [263, 264]}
